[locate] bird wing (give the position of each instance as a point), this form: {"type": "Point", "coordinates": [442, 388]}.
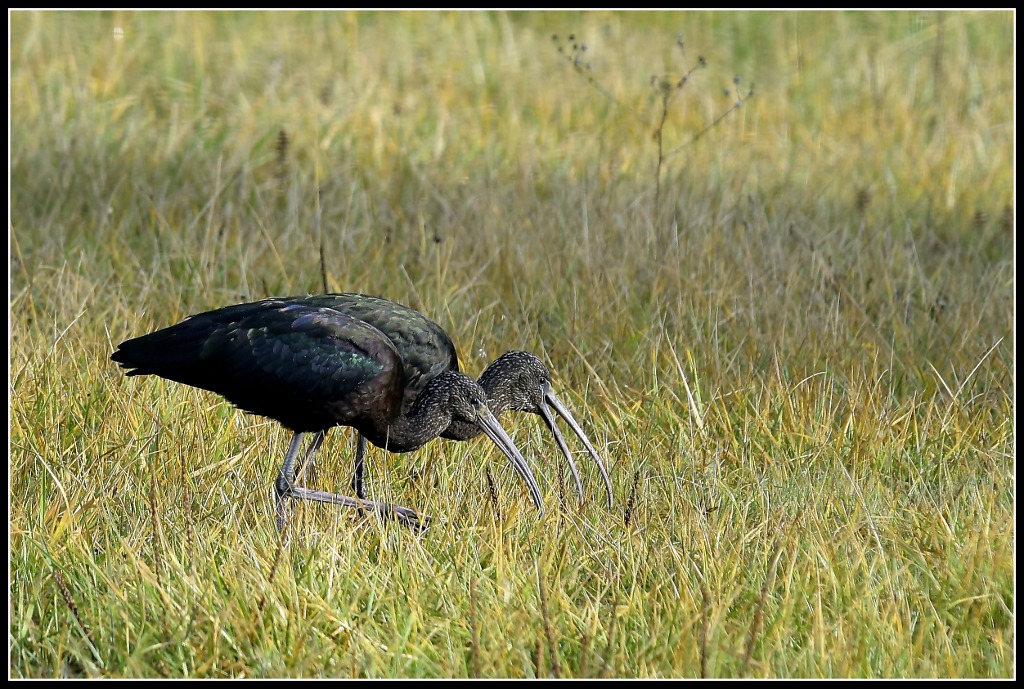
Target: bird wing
{"type": "Point", "coordinates": [426, 349]}
{"type": "Point", "coordinates": [309, 367]}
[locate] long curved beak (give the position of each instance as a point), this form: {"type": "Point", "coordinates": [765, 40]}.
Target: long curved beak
{"type": "Point", "coordinates": [489, 425]}
{"type": "Point", "coordinates": [550, 398]}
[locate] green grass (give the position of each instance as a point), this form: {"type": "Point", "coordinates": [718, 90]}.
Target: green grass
{"type": "Point", "coordinates": [795, 351]}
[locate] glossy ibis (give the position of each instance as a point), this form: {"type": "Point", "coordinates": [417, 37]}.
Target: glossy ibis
{"type": "Point", "coordinates": [311, 367]}
{"type": "Point", "coordinates": [517, 380]}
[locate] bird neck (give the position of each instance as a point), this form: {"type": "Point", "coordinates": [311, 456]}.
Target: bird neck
{"type": "Point", "coordinates": [494, 382]}
{"type": "Point", "coordinates": [427, 418]}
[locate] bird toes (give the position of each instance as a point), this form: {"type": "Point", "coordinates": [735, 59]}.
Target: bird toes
{"type": "Point", "coordinates": [415, 521]}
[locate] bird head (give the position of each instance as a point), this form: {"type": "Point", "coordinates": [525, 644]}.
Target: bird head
{"type": "Point", "coordinates": [520, 381]}
{"type": "Point", "coordinates": [467, 401]}
{"type": "Point", "coordinates": [525, 379]}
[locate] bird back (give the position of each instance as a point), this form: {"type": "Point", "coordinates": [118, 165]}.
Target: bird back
{"type": "Point", "coordinates": [307, 366]}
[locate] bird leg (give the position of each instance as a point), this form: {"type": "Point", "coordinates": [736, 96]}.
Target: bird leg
{"type": "Point", "coordinates": [357, 477]}
{"type": "Point", "coordinates": [285, 487]}
{"type": "Point", "coordinates": [307, 469]}
{"type": "Point", "coordinates": [286, 479]}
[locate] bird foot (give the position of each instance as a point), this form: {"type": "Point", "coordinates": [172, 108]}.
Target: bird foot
{"type": "Point", "coordinates": [417, 522]}
{"type": "Point", "coordinates": [409, 517]}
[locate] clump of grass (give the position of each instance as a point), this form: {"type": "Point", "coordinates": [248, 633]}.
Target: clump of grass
{"type": "Point", "coordinates": [69, 599]}
{"type": "Point", "coordinates": [549, 635]}
{"type": "Point", "coordinates": [631, 501]}
{"type": "Point", "coordinates": [492, 491]}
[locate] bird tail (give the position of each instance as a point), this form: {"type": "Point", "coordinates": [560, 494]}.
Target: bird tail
{"type": "Point", "coordinates": [165, 352]}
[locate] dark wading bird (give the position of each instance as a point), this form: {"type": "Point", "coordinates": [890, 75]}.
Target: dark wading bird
{"type": "Point", "coordinates": [311, 367]}
{"type": "Point", "coordinates": [516, 381]}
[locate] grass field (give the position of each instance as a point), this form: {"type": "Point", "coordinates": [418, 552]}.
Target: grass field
{"type": "Point", "coordinates": [777, 295]}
